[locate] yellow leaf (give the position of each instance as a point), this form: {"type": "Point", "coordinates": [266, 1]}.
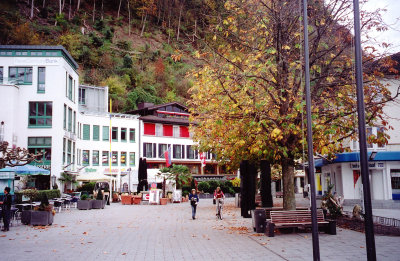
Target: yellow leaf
{"type": "Point", "coordinates": [286, 47]}
{"type": "Point", "coordinates": [215, 37]}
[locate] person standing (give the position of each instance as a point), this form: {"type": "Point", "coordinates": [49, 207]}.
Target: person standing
{"type": "Point", "coordinates": [6, 209]}
{"type": "Point", "coordinates": [194, 199]}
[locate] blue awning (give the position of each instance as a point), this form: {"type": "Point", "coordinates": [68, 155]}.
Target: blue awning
{"type": "Point", "coordinates": [355, 157]}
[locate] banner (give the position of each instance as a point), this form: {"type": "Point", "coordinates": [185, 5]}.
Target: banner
{"type": "Point", "coordinates": [168, 156]}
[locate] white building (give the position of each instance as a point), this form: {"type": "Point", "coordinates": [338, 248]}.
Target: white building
{"type": "Point", "coordinates": [45, 109]}
{"type": "Point", "coordinates": [384, 164]}
{"type": "Point", "coordinates": [36, 82]}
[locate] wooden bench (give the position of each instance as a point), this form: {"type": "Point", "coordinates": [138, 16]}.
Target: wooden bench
{"type": "Point", "coordinates": [298, 219]}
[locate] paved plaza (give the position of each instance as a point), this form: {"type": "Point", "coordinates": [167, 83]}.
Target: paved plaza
{"type": "Point", "coordinates": [147, 232]}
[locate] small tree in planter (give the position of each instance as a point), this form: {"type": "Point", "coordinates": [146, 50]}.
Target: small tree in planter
{"type": "Point", "coordinates": [98, 202]}
{"type": "Point", "coordinates": [84, 202]}
{"type": "Point", "coordinates": [43, 215]}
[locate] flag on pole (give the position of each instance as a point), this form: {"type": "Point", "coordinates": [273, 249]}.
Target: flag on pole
{"type": "Point", "coordinates": [203, 159]}
{"type": "Point", "coordinates": [167, 155]}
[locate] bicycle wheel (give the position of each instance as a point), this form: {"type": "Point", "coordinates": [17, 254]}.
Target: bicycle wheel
{"type": "Point", "coordinates": [220, 212]}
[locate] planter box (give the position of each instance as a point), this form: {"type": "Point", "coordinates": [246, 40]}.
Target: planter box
{"type": "Point", "coordinates": [127, 200]}
{"type": "Point", "coordinates": [163, 201]}
{"type": "Point", "coordinates": [84, 204]}
{"type": "Point", "coordinates": [41, 218]}
{"type": "Point", "coordinates": [26, 217]}
{"type": "Point", "coordinates": [137, 200]}
{"type": "Point", "coordinates": [97, 203]}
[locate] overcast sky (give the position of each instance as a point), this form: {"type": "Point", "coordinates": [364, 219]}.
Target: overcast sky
{"type": "Point", "coordinates": [391, 17]}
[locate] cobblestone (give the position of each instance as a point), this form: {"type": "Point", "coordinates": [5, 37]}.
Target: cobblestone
{"type": "Point", "coordinates": [147, 232]}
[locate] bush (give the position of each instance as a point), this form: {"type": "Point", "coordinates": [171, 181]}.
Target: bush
{"type": "Point", "coordinates": [213, 186]}
{"type": "Point", "coordinates": [203, 186]}
{"type": "Point", "coordinates": [186, 188]}
{"type": "Point", "coordinates": [38, 195]}
{"type": "Point", "coordinates": [87, 187]}
{"type": "Point", "coordinates": [99, 195]}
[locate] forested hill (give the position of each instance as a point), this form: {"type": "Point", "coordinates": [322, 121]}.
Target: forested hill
{"type": "Point", "coordinates": [141, 49]}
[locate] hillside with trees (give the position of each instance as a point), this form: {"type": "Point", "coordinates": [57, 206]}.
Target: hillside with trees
{"type": "Point", "coordinates": [141, 49]}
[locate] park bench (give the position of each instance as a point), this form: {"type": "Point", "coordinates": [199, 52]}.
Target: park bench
{"type": "Point", "coordinates": [298, 219]}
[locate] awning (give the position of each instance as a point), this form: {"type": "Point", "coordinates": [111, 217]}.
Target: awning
{"type": "Point", "coordinates": [94, 178]}
{"type": "Point", "coordinates": [26, 170]}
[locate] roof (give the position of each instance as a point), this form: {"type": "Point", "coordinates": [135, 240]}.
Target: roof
{"type": "Point", "coordinates": [155, 119]}
{"type": "Point", "coordinates": [42, 47]}
{"type": "Point", "coordinates": [155, 107]}
{"type": "Point", "coordinates": [355, 157]}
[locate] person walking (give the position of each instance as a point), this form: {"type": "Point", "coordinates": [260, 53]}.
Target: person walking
{"type": "Point", "coordinates": [6, 209]}
{"type": "Point", "coordinates": [194, 199]}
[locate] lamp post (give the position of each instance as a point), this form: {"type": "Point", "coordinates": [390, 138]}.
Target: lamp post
{"type": "Point", "coordinates": [53, 180]}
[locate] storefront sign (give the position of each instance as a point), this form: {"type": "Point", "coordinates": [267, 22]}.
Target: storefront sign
{"type": "Point", "coordinates": [90, 170]}
{"type": "Point", "coordinates": [48, 167]}
{"type": "Point", "coordinates": [112, 170]}
{"type": "Point", "coordinates": [372, 165]}
{"type": "Point", "coordinates": [7, 175]}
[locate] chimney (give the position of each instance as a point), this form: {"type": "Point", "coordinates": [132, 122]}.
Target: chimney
{"type": "Point", "coordinates": [143, 105]}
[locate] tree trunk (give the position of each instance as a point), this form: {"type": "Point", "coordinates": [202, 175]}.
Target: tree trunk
{"type": "Point", "coordinates": [78, 5]}
{"type": "Point", "coordinates": [44, 3]}
{"type": "Point", "coordinates": [32, 6]}
{"type": "Point", "coordinates": [60, 4]}
{"type": "Point", "coordinates": [102, 10]}
{"type": "Point", "coordinates": [289, 200]}
{"type": "Point", "coordinates": [144, 24]}
{"type": "Point", "coordinates": [179, 22]}
{"type": "Point", "coordinates": [265, 184]}
{"type": "Point", "coordinates": [69, 10]}
{"type": "Point", "coordinates": [119, 8]}
{"type": "Point", "coordinates": [94, 9]}
{"type": "Point", "coordinates": [129, 19]}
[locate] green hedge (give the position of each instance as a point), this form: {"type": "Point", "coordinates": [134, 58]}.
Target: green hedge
{"type": "Point", "coordinates": [89, 187]}
{"type": "Point", "coordinates": [211, 186]}
{"type": "Point", "coordinates": [51, 193]}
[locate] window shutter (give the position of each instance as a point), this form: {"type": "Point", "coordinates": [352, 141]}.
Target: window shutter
{"type": "Point", "coordinates": [149, 129]}
{"type": "Point", "coordinates": [167, 130]}
{"type": "Point", "coordinates": [86, 132]}
{"type": "Point", "coordinates": [184, 132]}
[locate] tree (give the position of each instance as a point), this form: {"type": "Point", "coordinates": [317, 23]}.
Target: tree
{"type": "Point", "coordinates": [248, 101]}
{"type": "Point", "coordinates": [179, 174]}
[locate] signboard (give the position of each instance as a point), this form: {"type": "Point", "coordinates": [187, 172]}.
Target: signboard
{"type": "Point", "coordinates": [154, 196]}
{"type": "Point", "coordinates": [371, 165]}
{"type": "Point", "coordinates": [7, 175]}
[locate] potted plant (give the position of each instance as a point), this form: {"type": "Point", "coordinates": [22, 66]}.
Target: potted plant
{"type": "Point", "coordinates": [43, 215]}
{"type": "Point", "coordinates": [178, 174]}
{"type": "Point", "coordinates": [84, 202]}
{"type": "Point", "coordinates": [98, 202]}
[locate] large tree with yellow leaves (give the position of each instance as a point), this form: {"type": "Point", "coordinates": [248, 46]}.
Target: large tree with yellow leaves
{"type": "Point", "coordinates": [248, 101]}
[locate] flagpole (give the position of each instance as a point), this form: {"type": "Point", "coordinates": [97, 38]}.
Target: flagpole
{"type": "Point", "coordinates": [110, 154]}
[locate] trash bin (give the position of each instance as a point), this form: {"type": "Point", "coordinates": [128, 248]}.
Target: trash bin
{"type": "Point", "coordinates": [331, 227]}
{"type": "Point", "coordinates": [259, 219]}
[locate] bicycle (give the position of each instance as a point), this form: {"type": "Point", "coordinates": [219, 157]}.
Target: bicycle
{"type": "Point", "coordinates": [220, 203]}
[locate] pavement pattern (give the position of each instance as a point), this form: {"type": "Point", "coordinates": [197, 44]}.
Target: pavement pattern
{"type": "Point", "coordinates": [154, 232]}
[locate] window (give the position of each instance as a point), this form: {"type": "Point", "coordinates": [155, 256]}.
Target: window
{"type": "Point", "coordinates": [176, 132]}
{"type": "Point", "coordinates": [132, 136]}
{"type": "Point", "coordinates": [65, 117]}
{"type": "Point", "coordinates": [70, 88]}
{"type": "Point", "coordinates": [1, 74]}
{"type": "Point", "coordinates": [167, 130]}
{"type": "Point", "coordinates": [162, 148]}
{"type": "Point", "coordinates": [40, 145]}
{"type": "Point", "coordinates": [131, 158]}
{"type": "Point", "coordinates": [104, 158]}
{"type": "Point", "coordinates": [41, 79]}
{"type": "Point", "coordinates": [86, 131]}
{"type": "Point", "coordinates": [159, 130]}
{"type": "Point", "coordinates": [106, 135]}
{"type": "Point", "coordinates": [95, 158]}
{"type": "Point", "coordinates": [149, 129]}
{"type": "Point", "coordinates": [82, 96]}
{"type": "Point", "coordinates": [123, 134]}
{"type": "Point", "coordinates": [179, 151]}
{"type": "Point", "coordinates": [40, 114]}
{"type": "Point", "coordinates": [69, 119]}
{"type": "Point", "coordinates": [96, 132]}
{"type": "Point", "coordinates": [114, 134]}
{"type": "Point", "coordinates": [85, 158]}
{"type": "Point", "coordinates": [149, 150]}
{"type": "Point", "coordinates": [114, 158]}
{"type": "Point", "coordinates": [183, 132]}
{"type": "Point", "coordinates": [69, 152]}
{"type": "Point", "coordinates": [21, 75]}
{"type": "Point", "coordinates": [74, 121]}
{"type": "Point", "coordinates": [64, 146]}
{"type": "Point", "coordinates": [123, 158]}
{"type": "Point", "coordinates": [190, 152]}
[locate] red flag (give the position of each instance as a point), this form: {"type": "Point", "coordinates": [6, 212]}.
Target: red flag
{"type": "Point", "coordinates": [167, 155]}
{"type": "Point", "coordinates": [203, 159]}
{"type": "Point", "coordinates": [356, 175]}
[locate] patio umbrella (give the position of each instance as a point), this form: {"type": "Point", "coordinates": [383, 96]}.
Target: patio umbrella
{"type": "Point", "coordinates": [27, 170]}
{"type": "Point", "coordinates": [142, 175]}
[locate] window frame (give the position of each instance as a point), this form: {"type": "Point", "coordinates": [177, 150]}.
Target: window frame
{"type": "Point", "coordinates": [41, 82]}
{"type": "Point", "coordinates": [132, 133]}
{"type": "Point", "coordinates": [24, 82]}
{"type": "Point", "coordinates": [130, 158]}
{"type": "Point", "coordinates": [45, 117]}
{"type": "Point", "coordinates": [94, 158]}
{"type": "Point", "coordinates": [123, 132]}
{"type": "Point", "coordinates": [106, 134]}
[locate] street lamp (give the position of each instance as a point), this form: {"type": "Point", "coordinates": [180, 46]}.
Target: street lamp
{"type": "Point", "coordinates": [53, 180]}
{"type": "Point", "coordinates": [2, 131]}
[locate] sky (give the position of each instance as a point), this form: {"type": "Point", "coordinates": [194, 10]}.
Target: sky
{"type": "Point", "coordinates": [391, 17]}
